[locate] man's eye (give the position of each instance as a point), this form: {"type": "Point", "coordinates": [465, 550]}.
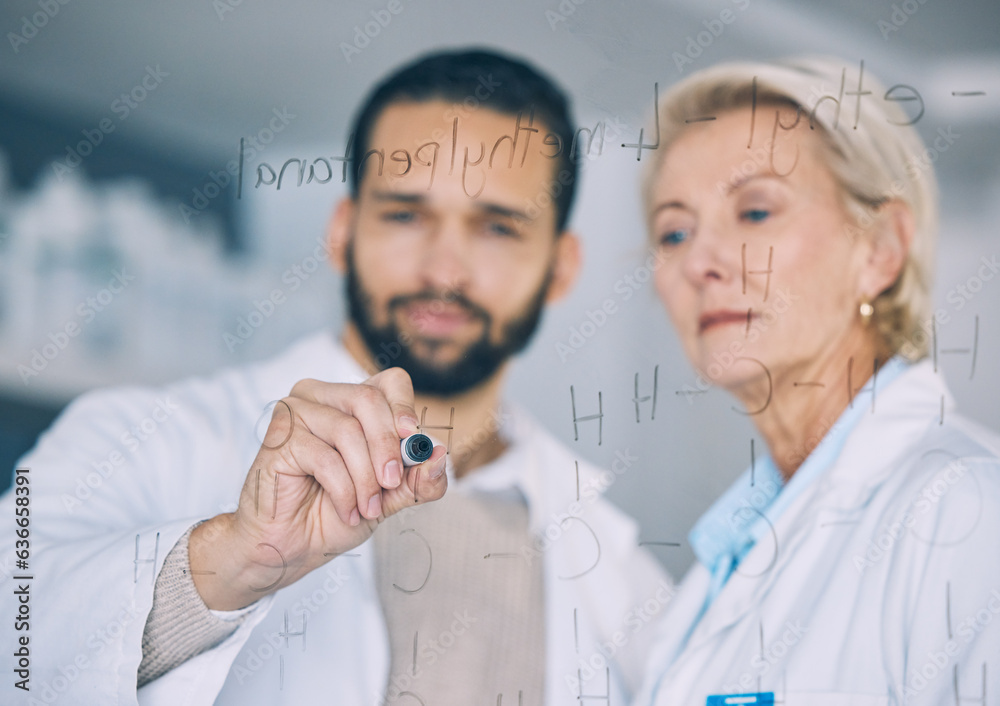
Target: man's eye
{"type": "Point", "coordinates": [399, 216]}
{"type": "Point", "coordinates": [756, 215]}
{"type": "Point", "coordinates": [674, 237]}
{"type": "Point", "coordinates": [496, 228]}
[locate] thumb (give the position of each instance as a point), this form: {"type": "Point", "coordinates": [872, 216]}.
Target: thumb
{"type": "Point", "coordinates": [421, 484]}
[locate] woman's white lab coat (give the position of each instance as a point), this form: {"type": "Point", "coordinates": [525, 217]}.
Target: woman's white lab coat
{"type": "Point", "coordinates": [123, 474]}
{"type": "Point", "coordinates": [879, 585]}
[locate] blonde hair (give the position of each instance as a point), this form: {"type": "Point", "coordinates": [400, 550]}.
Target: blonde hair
{"type": "Point", "coordinates": [873, 153]}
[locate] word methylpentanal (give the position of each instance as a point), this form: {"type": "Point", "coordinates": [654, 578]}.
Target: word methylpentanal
{"type": "Point", "coordinates": [398, 162]}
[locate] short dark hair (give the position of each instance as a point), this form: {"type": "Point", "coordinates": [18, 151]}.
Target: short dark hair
{"type": "Point", "coordinates": [516, 87]}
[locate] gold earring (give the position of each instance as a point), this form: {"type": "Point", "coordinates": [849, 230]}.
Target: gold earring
{"type": "Point", "coordinates": [866, 310]}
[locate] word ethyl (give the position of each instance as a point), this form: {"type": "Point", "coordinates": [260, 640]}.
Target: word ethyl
{"type": "Point", "coordinates": [898, 93]}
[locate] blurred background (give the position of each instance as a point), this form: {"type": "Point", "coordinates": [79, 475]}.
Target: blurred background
{"type": "Point", "coordinates": [127, 258]}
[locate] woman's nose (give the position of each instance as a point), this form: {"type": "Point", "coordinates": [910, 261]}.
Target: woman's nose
{"type": "Point", "coordinates": [711, 256]}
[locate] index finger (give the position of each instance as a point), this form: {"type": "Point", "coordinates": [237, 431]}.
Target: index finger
{"type": "Point", "coordinates": [381, 405]}
{"type": "Point", "coordinates": [393, 383]}
{"type": "Point", "coordinates": [396, 386]}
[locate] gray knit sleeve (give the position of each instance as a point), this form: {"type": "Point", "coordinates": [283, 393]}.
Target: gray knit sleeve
{"type": "Point", "coordinates": [180, 626]}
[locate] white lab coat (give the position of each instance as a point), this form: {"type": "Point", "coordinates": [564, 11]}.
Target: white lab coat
{"type": "Point", "coordinates": [121, 468]}
{"type": "Point", "coordinates": [884, 587]}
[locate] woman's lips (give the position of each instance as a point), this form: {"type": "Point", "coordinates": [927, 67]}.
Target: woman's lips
{"type": "Point", "coordinates": [722, 317]}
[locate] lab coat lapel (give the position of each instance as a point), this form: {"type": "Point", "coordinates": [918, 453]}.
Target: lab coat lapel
{"type": "Point", "coordinates": [867, 459]}
{"type": "Point", "coordinates": [744, 590]}
{"type": "Point", "coordinates": [679, 620]}
{"type": "Point", "coordinates": [904, 413]}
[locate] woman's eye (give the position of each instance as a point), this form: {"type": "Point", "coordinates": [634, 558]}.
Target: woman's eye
{"type": "Point", "coordinates": [674, 237]}
{"type": "Point", "coordinates": [756, 215]}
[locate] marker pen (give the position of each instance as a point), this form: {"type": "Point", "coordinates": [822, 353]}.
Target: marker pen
{"type": "Point", "coordinates": [416, 448]}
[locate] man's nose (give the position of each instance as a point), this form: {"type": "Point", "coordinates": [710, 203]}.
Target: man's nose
{"type": "Point", "coordinates": [446, 266]}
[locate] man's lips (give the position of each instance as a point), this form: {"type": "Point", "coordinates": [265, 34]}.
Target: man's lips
{"type": "Point", "coordinates": [722, 317]}
{"type": "Point", "coordinates": [437, 318]}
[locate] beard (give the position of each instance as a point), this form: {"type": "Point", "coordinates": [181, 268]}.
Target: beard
{"type": "Point", "coordinates": [477, 363]}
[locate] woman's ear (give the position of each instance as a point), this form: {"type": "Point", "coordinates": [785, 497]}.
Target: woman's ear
{"type": "Point", "coordinates": [338, 233]}
{"type": "Point", "coordinates": [891, 237]}
{"type": "Point", "coordinates": [565, 267]}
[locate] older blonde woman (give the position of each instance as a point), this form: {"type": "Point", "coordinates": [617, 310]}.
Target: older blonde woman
{"type": "Point", "coordinates": [858, 560]}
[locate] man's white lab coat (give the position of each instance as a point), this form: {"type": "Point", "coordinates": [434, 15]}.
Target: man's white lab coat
{"type": "Point", "coordinates": [880, 584]}
{"type": "Point", "coordinates": [122, 474]}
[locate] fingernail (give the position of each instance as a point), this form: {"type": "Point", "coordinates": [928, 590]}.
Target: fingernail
{"type": "Point", "coordinates": [409, 424]}
{"type": "Point", "coordinates": [355, 518]}
{"type": "Point", "coordinates": [374, 507]}
{"type": "Point", "coordinates": [437, 470]}
{"type": "Point", "coordinates": [392, 474]}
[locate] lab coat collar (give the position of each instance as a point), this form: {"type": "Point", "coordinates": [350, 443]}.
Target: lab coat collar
{"type": "Point", "coordinates": [743, 514]}
{"type": "Point", "coordinates": [903, 412]}
{"type": "Point", "coordinates": [917, 401]}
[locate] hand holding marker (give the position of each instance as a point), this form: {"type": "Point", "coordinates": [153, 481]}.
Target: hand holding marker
{"type": "Point", "coordinates": [416, 448]}
{"type": "Point", "coordinates": [313, 444]}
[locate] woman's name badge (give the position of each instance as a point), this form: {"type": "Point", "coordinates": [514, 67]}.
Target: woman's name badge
{"type": "Point", "coordinates": [761, 699]}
